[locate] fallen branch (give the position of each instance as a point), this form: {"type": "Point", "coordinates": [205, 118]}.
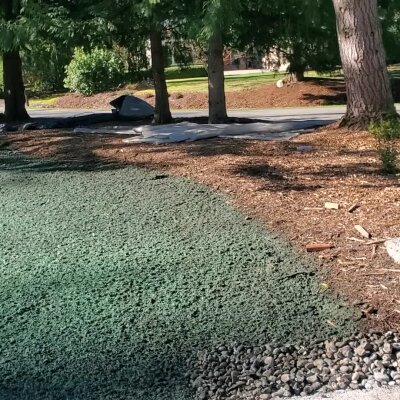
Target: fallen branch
{"type": "Point", "coordinates": [353, 208]}
{"type": "Point", "coordinates": [374, 249]}
{"type": "Point", "coordinates": [353, 239]}
{"type": "Point", "coordinates": [314, 247]}
{"type": "Point", "coordinates": [378, 241]}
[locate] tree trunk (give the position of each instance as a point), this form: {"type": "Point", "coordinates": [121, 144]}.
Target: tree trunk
{"type": "Point", "coordinates": [162, 113]}
{"type": "Point", "coordinates": [14, 91]}
{"type": "Point", "coordinates": [297, 65]}
{"type": "Point", "coordinates": [297, 76]}
{"type": "Point", "coordinates": [369, 96]}
{"type": "Point", "coordinates": [217, 113]}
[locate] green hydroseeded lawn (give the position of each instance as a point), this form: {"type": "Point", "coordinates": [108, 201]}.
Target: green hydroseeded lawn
{"type": "Point", "coordinates": [112, 277]}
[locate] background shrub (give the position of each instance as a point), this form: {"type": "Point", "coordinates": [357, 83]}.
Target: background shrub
{"type": "Point", "coordinates": [95, 72]}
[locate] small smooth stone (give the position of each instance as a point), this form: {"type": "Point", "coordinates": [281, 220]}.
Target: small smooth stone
{"type": "Point", "coordinates": [354, 386]}
{"type": "Point", "coordinates": [347, 352]}
{"type": "Point", "coordinates": [368, 386]}
{"type": "Point", "coordinates": [363, 349]}
{"type": "Point", "coordinates": [330, 348]}
{"type": "Point", "coordinates": [234, 376]}
{"type": "Point", "coordinates": [357, 376]}
{"type": "Point", "coordinates": [381, 377]}
{"type": "Point", "coordinates": [343, 385]}
{"type": "Point", "coordinates": [301, 363]}
{"type": "Point", "coordinates": [312, 379]}
{"type": "Point", "coordinates": [268, 361]}
{"type": "Point", "coordinates": [315, 386]}
{"type": "Point", "coordinates": [285, 378]}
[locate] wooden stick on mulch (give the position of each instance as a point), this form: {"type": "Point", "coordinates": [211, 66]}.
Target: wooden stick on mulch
{"type": "Point", "coordinates": [363, 232]}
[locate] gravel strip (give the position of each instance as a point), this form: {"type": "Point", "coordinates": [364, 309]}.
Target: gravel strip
{"type": "Point", "coordinates": [280, 371]}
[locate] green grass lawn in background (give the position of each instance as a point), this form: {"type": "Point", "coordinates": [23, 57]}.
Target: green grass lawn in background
{"type": "Point", "coordinates": [194, 80]}
{"type": "Point", "coordinates": [232, 82]}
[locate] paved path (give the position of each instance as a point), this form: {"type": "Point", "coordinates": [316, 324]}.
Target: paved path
{"type": "Point", "coordinates": [328, 114]}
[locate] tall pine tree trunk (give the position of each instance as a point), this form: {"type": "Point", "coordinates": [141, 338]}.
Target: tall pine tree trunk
{"type": "Point", "coordinates": [14, 91]}
{"type": "Point", "coordinates": [162, 113]}
{"type": "Point", "coordinates": [216, 81]}
{"type": "Point", "coordinates": [369, 95]}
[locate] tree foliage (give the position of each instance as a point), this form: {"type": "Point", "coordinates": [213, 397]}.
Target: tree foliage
{"type": "Point", "coordinates": [45, 32]}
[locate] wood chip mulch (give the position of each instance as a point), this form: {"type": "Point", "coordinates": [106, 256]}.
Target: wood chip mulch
{"type": "Point", "coordinates": [285, 186]}
{"type": "Point", "coordinates": [313, 91]}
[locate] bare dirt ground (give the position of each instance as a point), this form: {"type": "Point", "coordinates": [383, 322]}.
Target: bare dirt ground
{"type": "Point", "coordinates": [312, 92]}
{"type": "Point", "coordinates": [285, 186]}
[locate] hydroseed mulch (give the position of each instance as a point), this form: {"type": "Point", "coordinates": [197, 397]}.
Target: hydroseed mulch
{"type": "Point", "coordinates": [112, 277]}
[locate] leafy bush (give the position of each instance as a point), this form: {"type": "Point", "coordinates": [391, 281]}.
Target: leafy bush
{"type": "Point", "coordinates": [387, 131]}
{"type": "Point", "coordinates": [95, 72]}
{"type": "Point", "coordinates": [389, 159]}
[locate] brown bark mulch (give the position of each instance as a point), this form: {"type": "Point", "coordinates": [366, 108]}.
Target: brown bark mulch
{"type": "Point", "coordinates": [285, 186]}
{"type": "Point", "coordinates": [312, 92]}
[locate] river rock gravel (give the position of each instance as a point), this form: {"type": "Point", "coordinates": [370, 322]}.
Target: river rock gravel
{"type": "Point", "coordinates": [366, 361]}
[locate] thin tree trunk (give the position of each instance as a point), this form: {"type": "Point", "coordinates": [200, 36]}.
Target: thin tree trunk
{"type": "Point", "coordinates": [162, 113]}
{"type": "Point", "coordinates": [369, 95]}
{"type": "Point", "coordinates": [216, 81]}
{"type": "Point", "coordinates": [14, 91]}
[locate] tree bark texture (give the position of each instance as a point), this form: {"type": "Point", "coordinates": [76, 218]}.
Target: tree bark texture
{"type": "Point", "coordinates": [216, 81]}
{"type": "Point", "coordinates": [297, 76]}
{"type": "Point", "coordinates": [297, 66]}
{"type": "Point", "coordinates": [162, 113]}
{"type": "Point", "coordinates": [14, 90]}
{"type": "Point", "coordinates": [369, 95]}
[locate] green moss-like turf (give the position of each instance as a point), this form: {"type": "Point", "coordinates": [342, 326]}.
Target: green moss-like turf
{"type": "Point", "coordinates": [110, 278]}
